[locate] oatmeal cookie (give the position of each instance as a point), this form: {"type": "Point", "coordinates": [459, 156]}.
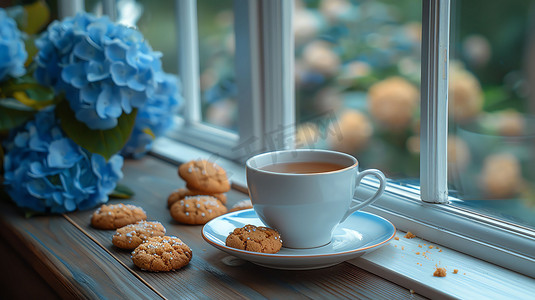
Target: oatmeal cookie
{"type": "Point", "coordinates": [162, 253]}
{"type": "Point", "coordinates": [183, 193]}
{"type": "Point", "coordinates": [205, 176]}
{"type": "Point", "coordinates": [253, 238]}
{"type": "Point", "coordinates": [114, 216]}
{"type": "Point", "coordinates": [133, 235]}
{"type": "Point", "coordinates": [197, 210]}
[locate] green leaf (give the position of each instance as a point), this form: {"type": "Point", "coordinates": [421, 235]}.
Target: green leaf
{"type": "Point", "coordinates": [122, 192]}
{"type": "Point", "coordinates": [29, 92]}
{"type": "Point", "coordinates": [29, 213]}
{"type": "Point", "coordinates": [104, 142]}
{"type": "Point", "coordinates": [10, 118]}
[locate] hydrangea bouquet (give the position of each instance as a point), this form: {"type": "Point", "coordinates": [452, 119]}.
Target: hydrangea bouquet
{"type": "Point", "coordinates": [94, 92]}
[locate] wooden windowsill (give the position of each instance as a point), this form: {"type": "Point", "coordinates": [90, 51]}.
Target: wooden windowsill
{"type": "Point", "coordinates": [63, 256]}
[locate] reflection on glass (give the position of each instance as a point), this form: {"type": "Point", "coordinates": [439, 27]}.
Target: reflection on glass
{"type": "Point", "coordinates": [216, 59]}
{"type": "Point", "coordinates": [492, 128]}
{"type": "Point", "coordinates": [357, 81]}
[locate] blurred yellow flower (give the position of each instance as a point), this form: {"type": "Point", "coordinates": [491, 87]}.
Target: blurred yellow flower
{"type": "Point", "coordinates": [392, 102]}
{"type": "Point", "coordinates": [306, 25]}
{"type": "Point", "coordinates": [501, 176]}
{"type": "Point", "coordinates": [334, 9]}
{"type": "Point", "coordinates": [510, 123]}
{"type": "Point", "coordinates": [319, 57]}
{"type": "Point", "coordinates": [458, 155]}
{"type": "Point", "coordinates": [351, 133]}
{"type": "Point", "coordinates": [465, 95]}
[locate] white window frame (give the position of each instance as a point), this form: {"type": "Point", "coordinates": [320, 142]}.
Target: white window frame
{"type": "Point", "coordinates": [258, 43]}
{"type": "Point", "coordinates": [424, 210]}
{"type": "Point", "coordinates": [264, 44]}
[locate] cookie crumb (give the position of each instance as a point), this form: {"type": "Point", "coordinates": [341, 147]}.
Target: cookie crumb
{"type": "Point", "coordinates": [409, 235]}
{"type": "Point", "coordinates": [440, 272]}
{"type": "Point", "coordinates": [431, 247]}
{"type": "Point", "coordinates": [411, 291]}
{"type": "Point", "coordinates": [417, 253]}
{"type": "Point", "coordinates": [455, 271]}
{"type": "Point", "coordinates": [440, 250]}
{"type": "Point", "coordinates": [396, 238]}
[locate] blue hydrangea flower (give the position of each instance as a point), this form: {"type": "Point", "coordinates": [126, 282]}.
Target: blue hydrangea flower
{"type": "Point", "coordinates": [12, 51]}
{"type": "Point", "coordinates": [103, 68]}
{"type": "Point", "coordinates": [45, 171]}
{"type": "Point", "coordinates": [155, 117]}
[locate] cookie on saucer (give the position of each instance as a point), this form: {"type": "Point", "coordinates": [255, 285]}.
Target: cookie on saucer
{"type": "Point", "coordinates": [133, 235]}
{"type": "Point", "coordinates": [205, 176]}
{"type": "Point", "coordinates": [114, 216]}
{"type": "Point", "coordinates": [163, 253]}
{"type": "Point", "coordinates": [197, 210]}
{"type": "Point", "coordinates": [256, 239]}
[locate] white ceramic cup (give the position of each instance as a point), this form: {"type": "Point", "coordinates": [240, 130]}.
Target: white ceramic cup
{"type": "Point", "coordinates": [305, 208]}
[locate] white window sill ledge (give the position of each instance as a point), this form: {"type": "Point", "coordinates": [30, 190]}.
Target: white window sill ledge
{"type": "Point", "coordinates": [398, 261]}
{"type": "Point", "coordinates": [476, 279]}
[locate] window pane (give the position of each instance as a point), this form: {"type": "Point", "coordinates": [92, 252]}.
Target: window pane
{"type": "Point", "coordinates": [358, 81]}
{"type": "Point", "coordinates": [156, 20]}
{"type": "Point", "coordinates": [492, 128]}
{"type": "Point", "coordinates": [216, 58]}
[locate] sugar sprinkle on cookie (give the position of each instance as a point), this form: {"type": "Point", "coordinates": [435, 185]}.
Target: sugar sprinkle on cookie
{"type": "Point", "coordinates": [163, 253]}
{"type": "Point", "coordinates": [256, 239]}
{"type": "Point", "coordinates": [197, 210]}
{"type": "Point", "coordinates": [182, 193]}
{"type": "Point", "coordinates": [205, 176]}
{"type": "Point", "coordinates": [114, 216]}
{"type": "Point", "coordinates": [133, 235]}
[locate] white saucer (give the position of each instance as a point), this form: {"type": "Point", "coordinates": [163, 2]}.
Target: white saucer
{"type": "Point", "coordinates": [360, 233]}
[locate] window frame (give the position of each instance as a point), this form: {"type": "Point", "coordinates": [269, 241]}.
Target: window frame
{"type": "Point", "coordinates": [434, 101]}
{"type": "Point", "coordinates": [265, 121]}
{"type": "Point", "coordinates": [425, 210]}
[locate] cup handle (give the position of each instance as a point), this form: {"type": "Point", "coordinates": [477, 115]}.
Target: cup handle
{"type": "Point", "coordinates": [358, 205]}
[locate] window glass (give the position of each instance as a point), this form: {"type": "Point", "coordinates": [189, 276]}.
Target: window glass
{"type": "Point", "coordinates": [94, 7]}
{"type": "Point", "coordinates": [357, 81]}
{"type": "Point", "coordinates": [216, 58]}
{"type": "Point", "coordinates": [491, 145]}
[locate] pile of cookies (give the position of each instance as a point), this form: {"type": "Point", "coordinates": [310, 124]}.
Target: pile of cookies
{"type": "Point", "coordinates": [153, 251]}
{"type": "Point", "coordinates": [204, 197]}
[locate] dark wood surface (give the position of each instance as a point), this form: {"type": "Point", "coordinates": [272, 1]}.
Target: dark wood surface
{"type": "Point", "coordinates": [64, 257]}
